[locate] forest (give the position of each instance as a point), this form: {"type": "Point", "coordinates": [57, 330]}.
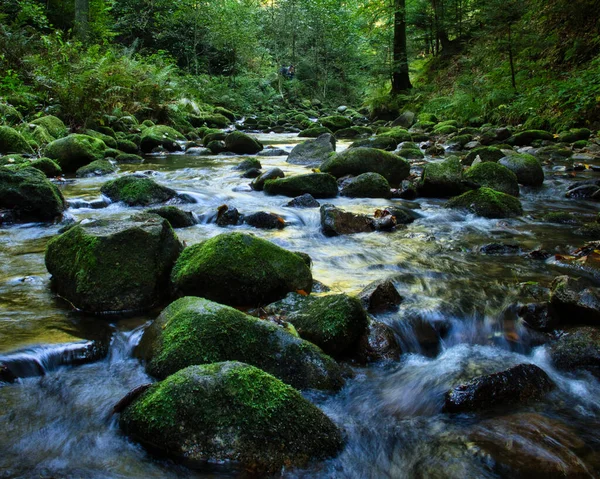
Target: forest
{"type": "Point", "coordinates": [338, 239]}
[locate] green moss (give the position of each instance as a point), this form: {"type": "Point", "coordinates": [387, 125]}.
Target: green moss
{"type": "Point", "coordinates": [529, 136]}
{"type": "Point", "coordinates": [198, 331]}
{"type": "Point", "coordinates": [562, 217]}
{"type": "Point", "coordinates": [239, 269]}
{"type": "Point", "coordinates": [127, 146]}
{"type": "Point", "coordinates": [355, 161]}
{"type": "Point", "coordinates": [527, 168]}
{"type": "Point", "coordinates": [231, 411]}
{"type": "Point", "coordinates": [242, 144]}
{"type": "Point", "coordinates": [398, 134]}
{"type": "Point", "coordinates": [137, 191]}
{"type": "Point", "coordinates": [336, 122]}
{"type": "Point", "coordinates": [74, 151]}
{"type": "Point", "coordinates": [574, 135]}
{"type": "Point", "coordinates": [11, 141]}
{"type": "Point", "coordinates": [444, 129]}
{"type": "Point", "coordinates": [580, 144]}
{"type": "Point", "coordinates": [314, 132]}
{"type": "Point", "coordinates": [380, 142]}
{"type": "Point", "coordinates": [159, 136]}
{"type": "Point", "coordinates": [9, 114]}
{"type": "Point", "coordinates": [35, 134]}
{"type": "Point", "coordinates": [367, 185]}
{"type": "Point", "coordinates": [130, 158]}
{"type": "Point", "coordinates": [108, 140]}
{"type": "Point", "coordinates": [53, 125]}
{"type": "Point", "coordinates": [47, 166]}
{"type": "Point", "coordinates": [493, 176]}
{"type": "Point", "coordinates": [487, 203]}
{"type": "Point", "coordinates": [442, 179]}
{"type": "Point", "coordinates": [319, 185]}
{"type": "Point", "coordinates": [212, 120]}
{"type": "Point", "coordinates": [96, 168]}
{"type": "Point", "coordinates": [219, 110]}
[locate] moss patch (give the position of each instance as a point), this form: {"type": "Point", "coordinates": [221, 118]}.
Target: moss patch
{"type": "Point", "coordinates": [487, 203]}
{"type": "Point", "coordinates": [319, 185]}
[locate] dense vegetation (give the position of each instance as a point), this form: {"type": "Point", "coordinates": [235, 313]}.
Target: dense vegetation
{"type": "Point", "coordinates": [535, 62]}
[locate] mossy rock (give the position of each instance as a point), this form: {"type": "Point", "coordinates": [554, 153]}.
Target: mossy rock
{"type": "Point", "coordinates": [429, 117]}
{"type": "Point", "coordinates": [529, 136]}
{"type": "Point", "coordinates": [312, 152]}
{"type": "Point", "coordinates": [213, 135]}
{"type": "Point", "coordinates": [380, 142]}
{"type": "Point", "coordinates": [259, 182]}
{"type": "Point", "coordinates": [195, 330]}
{"type": "Point", "coordinates": [444, 129]}
{"type": "Point", "coordinates": [53, 125]}
{"type": "Point", "coordinates": [423, 126]}
{"type": "Point", "coordinates": [562, 218]}
{"type": "Point", "coordinates": [574, 135]}
{"type": "Point", "coordinates": [111, 153]}
{"type": "Point", "coordinates": [442, 179]}
{"type": "Point", "coordinates": [314, 132]}
{"type": "Point", "coordinates": [527, 168]}
{"type": "Point", "coordinates": [487, 203]}
{"type": "Point", "coordinates": [175, 216]}
{"type": "Point", "coordinates": [28, 193]}
{"type": "Point", "coordinates": [47, 166]}
{"type": "Point", "coordinates": [108, 140]}
{"type": "Point", "coordinates": [335, 323]}
{"type": "Point", "coordinates": [355, 161]}
{"type": "Point", "coordinates": [11, 141]}
{"type": "Point", "coordinates": [494, 176]}
{"type": "Point", "coordinates": [367, 185]}
{"type": "Point", "coordinates": [240, 270]}
{"type": "Point", "coordinates": [335, 122]}
{"type": "Point", "coordinates": [219, 110]}
{"type": "Point", "coordinates": [249, 164]}
{"type": "Point", "coordinates": [398, 134]}
{"type": "Point", "coordinates": [231, 412]}
{"type": "Point", "coordinates": [319, 185]}
{"type": "Point", "coordinates": [411, 153]}
{"type": "Point", "coordinates": [242, 144]}
{"type": "Point", "coordinates": [135, 190]}
{"type": "Point", "coordinates": [578, 349]}
{"type": "Point", "coordinates": [160, 136]}
{"type": "Point", "coordinates": [9, 114]}
{"type": "Point", "coordinates": [129, 158]}
{"type": "Point", "coordinates": [212, 120]}
{"type": "Point", "coordinates": [35, 134]}
{"type": "Point", "coordinates": [96, 168]}
{"type": "Point", "coordinates": [485, 153]}
{"type": "Point", "coordinates": [74, 151]}
{"type": "Point", "coordinates": [113, 266]}
{"type": "Point", "coordinates": [127, 146]}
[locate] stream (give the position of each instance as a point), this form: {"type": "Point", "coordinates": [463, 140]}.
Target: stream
{"type": "Point", "coordinates": [458, 320]}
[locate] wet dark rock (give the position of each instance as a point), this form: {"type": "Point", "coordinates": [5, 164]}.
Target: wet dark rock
{"type": "Point", "coordinates": [500, 249]}
{"type": "Point", "coordinates": [379, 344]}
{"type": "Point", "coordinates": [242, 144]}
{"type": "Point", "coordinates": [578, 348]}
{"type": "Point", "coordinates": [442, 179]}
{"type": "Point", "coordinates": [175, 216]}
{"type": "Point", "coordinates": [319, 185]}
{"type": "Point", "coordinates": [518, 385]}
{"type": "Point", "coordinates": [114, 266]}
{"type": "Point", "coordinates": [216, 146]}
{"type": "Point", "coordinates": [380, 296]}
{"type": "Point", "coordinates": [303, 201]}
{"type": "Point", "coordinates": [198, 151]}
{"type": "Point", "coordinates": [313, 152]}
{"type": "Point", "coordinates": [259, 183]}
{"type": "Point", "coordinates": [227, 216]}
{"type": "Point", "coordinates": [249, 164]}
{"type": "Point", "coordinates": [7, 216]}
{"type": "Point", "coordinates": [6, 375]}
{"type": "Point", "coordinates": [239, 270]}
{"type": "Point", "coordinates": [575, 301]}
{"type": "Point", "coordinates": [585, 190]}
{"type": "Point", "coordinates": [265, 220]}
{"type": "Point", "coordinates": [405, 120]}
{"type": "Point", "coordinates": [366, 185]}
{"type": "Point", "coordinates": [137, 190]}
{"type": "Point", "coordinates": [231, 412]}
{"type": "Point", "coordinates": [126, 400]}
{"type": "Point", "coordinates": [529, 136]}
{"type": "Point", "coordinates": [252, 173]}
{"type": "Point", "coordinates": [485, 154]}
{"type": "Point", "coordinates": [407, 191]}
{"type": "Point", "coordinates": [403, 215]}
{"type": "Point", "coordinates": [495, 135]}
{"type": "Point", "coordinates": [193, 331]}
{"type": "Point", "coordinates": [335, 221]}
{"type": "Point", "coordinates": [539, 316]}
{"type": "Point", "coordinates": [96, 168]}
{"type": "Point", "coordinates": [268, 152]}
{"type": "Point", "coordinates": [435, 150]}
{"type": "Point", "coordinates": [527, 168]}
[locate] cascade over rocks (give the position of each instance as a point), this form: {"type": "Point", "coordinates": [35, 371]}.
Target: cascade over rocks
{"type": "Point", "coordinates": [114, 266]}
{"type": "Point", "coordinates": [231, 411]}
{"type": "Point", "coordinates": [193, 331]}
{"type": "Point", "coordinates": [240, 270]}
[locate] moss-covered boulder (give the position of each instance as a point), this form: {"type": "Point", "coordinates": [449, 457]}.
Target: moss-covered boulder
{"type": "Point", "coordinates": [367, 185]}
{"type": "Point", "coordinates": [397, 134]}
{"type": "Point", "coordinates": [410, 151]}
{"type": "Point", "coordinates": [249, 164]}
{"type": "Point", "coordinates": [96, 168]}
{"type": "Point", "coordinates": [47, 166]}
{"type": "Point", "coordinates": [444, 129]}
{"type": "Point", "coordinates": [53, 125]}
{"type": "Point", "coordinates": [219, 110]}
{"type": "Point", "coordinates": [442, 179]}
{"type": "Point", "coordinates": [355, 161]}
{"type": "Point", "coordinates": [485, 154]}
{"type": "Point", "coordinates": [336, 122]}
{"type": "Point", "coordinates": [240, 270]}
{"type": "Point", "coordinates": [107, 139]}
{"type": "Point", "coordinates": [127, 146]}
{"type": "Point", "coordinates": [574, 135]}
{"type": "Point", "coordinates": [175, 216]}
{"type": "Point", "coordinates": [9, 114]}
{"type": "Point", "coordinates": [160, 136]}
{"type": "Point", "coordinates": [35, 135]}
{"type": "Point", "coordinates": [30, 196]}
{"type": "Point", "coordinates": [312, 152]}
{"type": "Point", "coordinates": [527, 168]}
{"type": "Point", "coordinates": [578, 349]}
{"type": "Point", "coordinates": [319, 185]}
{"type": "Point", "coordinates": [380, 142]}
{"type": "Point", "coordinates": [493, 176]}
{"type": "Point", "coordinates": [11, 141]}
{"type": "Point", "coordinates": [314, 132]}
{"type": "Point", "coordinates": [487, 203]}
{"type": "Point", "coordinates": [212, 120]}
{"type": "Point", "coordinates": [135, 190]}
{"type": "Point", "coordinates": [114, 266]}
{"type": "Point", "coordinates": [231, 412]}
{"type": "Point", "coordinates": [259, 182]}
{"type": "Point", "coordinates": [74, 151]}
{"type": "Point", "coordinates": [529, 136]}
{"type": "Point", "coordinates": [198, 331]}
{"type": "Point", "coordinates": [242, 144]}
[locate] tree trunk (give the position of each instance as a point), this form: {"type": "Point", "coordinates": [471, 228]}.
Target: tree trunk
{"type": "Point", "coordinates": [511, 59]}
{"type": "Point", "coordinates": [400, 79]}
{"type": "Point", "coordinates": [82, 13]}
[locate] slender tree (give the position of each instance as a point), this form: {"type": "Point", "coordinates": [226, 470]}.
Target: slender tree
{"type": "Point", "coordinates": [400, 78]}
{"type": "Point", "coordinates": [82, 16]}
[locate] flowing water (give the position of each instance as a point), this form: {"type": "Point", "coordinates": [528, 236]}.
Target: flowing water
{"type": "Point", "coordinates": [457, 321]}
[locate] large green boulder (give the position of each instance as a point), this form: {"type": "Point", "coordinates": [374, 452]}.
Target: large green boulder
{"type": "Point", "coordinates": [355, 161]}
{"type": "Point", "coordinates": [213, 120]}
{"type": "Point", "coordinates": [198, 331]}
{"type": "Point", "coordinates": [27, 192]}
{"type": "Point", "coordinates": [219, 110]}
{"type": "Point", "coordinates": [176, 216]}
{"type": "Point", "coordinates": [398, 134]}
{"type": "Point", "coordinates": [314, 132]}
{"type": "Point", "coordinates": [35, 134]}
{"type": "Point", "coordinates": [485, 154]}
{"type": "Point", "coordinates": [108, 140]}
{"type": "Point", "coordinates": [230, 412]}
{"type": "Point", "coordinates": [380, 142]}
{"type": "Point", "coordinates": [487, 203]}
{"type": "Point", "coordinates": [242, 144]}
{"type": "Point", "coordinates": [336, 122]}
{"type": "Point", "coordinates": [114, 266]}
{"type": "Point", "coordinates": [367, 185]}
{"type": "Point", "coordinates": [9, 114]}
{"type": "Point", "coordinates": [136, 190]}
{"type": "Point", "coordinates": [312, 152]}
{"type": "Point", "coordinates": [160, 136]}
{"type": "Point", "coordinates": [11, 141]}
{"type": "Point", "coordinates": [74, 151]}
{"type": "Point", "coordinates": [442, 179]}
{"type": "Point", "coordinates": [527, 168]}
{"type": "Point", "coordinates": [574, 135]}
{"type": "Point", "coordinates": [96, 168]}
{"type": "Point", "coordinates": [240, 270]}
{"type": "Point", "coordinates": [319, 185]}
{"type": "Point", "coordinates": [53, 125]}
{"type": "Point", "coordinates": [493, 176]}
{"type": "Point", "coordinates": [529, 136]}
